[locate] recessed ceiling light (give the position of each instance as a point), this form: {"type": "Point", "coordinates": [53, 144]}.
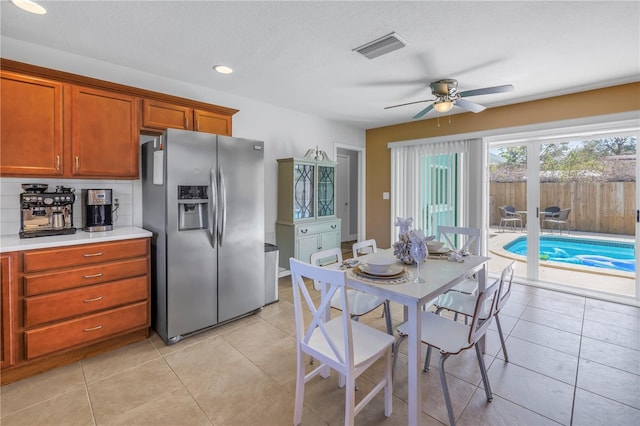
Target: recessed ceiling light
{"type": "Point", "coordinates": [223, 69]}
{"type": "Point", "coordinates": [30, 6]}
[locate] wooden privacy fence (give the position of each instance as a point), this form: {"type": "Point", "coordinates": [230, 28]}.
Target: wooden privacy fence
{"type": "Point", "coordinates": [606, 207]}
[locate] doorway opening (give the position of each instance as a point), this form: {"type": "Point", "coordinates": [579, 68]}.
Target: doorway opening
{"type": "Point", "coordinates": [350, 192]}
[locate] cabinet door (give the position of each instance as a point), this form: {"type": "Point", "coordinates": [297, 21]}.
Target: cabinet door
{"type": "Point", "coordinates": [329, 240]}
{"type": "Point", "coordinates": [104, 134]}
{"type": "Point", "coordinates": [162, 115]}
{"type": "Point", "coordinates": [211, 122]}
{"type": "Point", "coordinates": [31, 117]}
{"type": "Point", "coordinates": [303, 188]}
{"type": "Point", "coordinates": [306, 246]}
{"type": "Point", "coordinates": [326, 191]}
{"type": "Point", "coordinates": [8, 308]}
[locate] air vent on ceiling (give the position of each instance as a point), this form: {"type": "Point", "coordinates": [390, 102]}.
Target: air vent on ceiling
{"type": "Point", "coordinates": [381, 46]}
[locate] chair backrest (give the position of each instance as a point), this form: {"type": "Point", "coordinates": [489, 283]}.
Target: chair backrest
{"type": "Point", "coordinates": [503, 212]}
{"type": "Point", "coordinates": [335, 281]}
{"type": "Point", "coordinates": [364, 247]}
{"type": "Point", "coordinates": [323, 258]}
{"type": "Point", "coordinates": [552, 209]}
{"type": "Point", "coordinates": [510, 209]}
{"type": "Point", "coordinates": [563, 214]}
{"type": "Point", "coordinates": [460, 238]}
{"type": "Point", "coordinates": [480, 323]}
{"type": "Point", "coordinates": [506, 279]}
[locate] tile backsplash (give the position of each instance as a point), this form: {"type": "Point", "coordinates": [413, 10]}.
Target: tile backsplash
{"type": "Point", "coordinates": [10, 189]}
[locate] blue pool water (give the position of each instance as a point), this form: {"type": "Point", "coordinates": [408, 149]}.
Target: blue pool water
{"type": "Point", "coordinates": [579, 251]}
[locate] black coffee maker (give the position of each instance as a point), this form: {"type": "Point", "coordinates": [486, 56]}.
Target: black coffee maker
{"type": "Point", "coordinates": [97, 210]}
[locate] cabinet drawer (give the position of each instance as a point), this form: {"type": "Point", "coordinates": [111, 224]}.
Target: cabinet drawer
{"type": "Point", "coordinates": [317, 228]}
{"type": "Point", "coordinates": [35, 284]}
{"type": "Point", "coordinates": [52, 338]}
{"type": "Point", "coordinates": [83, 254]}
{"type": "Point", "coordinates": [67, 304]}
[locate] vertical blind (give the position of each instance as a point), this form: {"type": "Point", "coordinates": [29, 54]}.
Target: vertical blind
{"type": "Point", "coordinates": [428, 183]}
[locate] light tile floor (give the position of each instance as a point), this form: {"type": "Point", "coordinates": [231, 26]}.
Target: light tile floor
{"type": "Point", "coordinates": [572, 361]}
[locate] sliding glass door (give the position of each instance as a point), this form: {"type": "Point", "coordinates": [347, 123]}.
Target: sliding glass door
{"type": "Point", "coordinates": [576, 199]}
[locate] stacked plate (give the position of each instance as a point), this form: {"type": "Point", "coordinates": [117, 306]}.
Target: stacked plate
{"type": "Point", "coordinates": [381, 267]}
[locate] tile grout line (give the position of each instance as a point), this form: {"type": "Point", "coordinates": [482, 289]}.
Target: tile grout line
{"type": "Point", "coordinates": [575, 385]}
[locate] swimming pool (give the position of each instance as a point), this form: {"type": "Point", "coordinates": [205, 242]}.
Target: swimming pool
{"type": "Point", "coordinates": [581, 251]}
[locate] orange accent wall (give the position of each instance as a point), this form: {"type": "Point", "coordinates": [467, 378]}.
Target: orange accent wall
{"type": "Point", "coordinates": [610, 100]}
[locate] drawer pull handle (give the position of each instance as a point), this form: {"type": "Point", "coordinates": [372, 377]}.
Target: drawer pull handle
{"type": "Point", "coordinates": [92, 254]}
{"type": "Point", "coordinates": [98, 327]}
{"type": "Point", "coordinates": [95, 299]}
{"type": "Point", "coordinates": [99, 274]}
{"type": "Point", "coordinates": [303, 231]}
{"type": "Point", "coordinates": [334, 226]}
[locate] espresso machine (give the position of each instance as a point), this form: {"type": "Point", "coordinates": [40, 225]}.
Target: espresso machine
{"type": "Point", "coordinates": [97, 210]}
{"type": "Point", "coordinates": [45, 213]}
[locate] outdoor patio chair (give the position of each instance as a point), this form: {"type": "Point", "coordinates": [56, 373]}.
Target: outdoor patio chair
{"type": "Point", "coordinates": [509, 216]}
{"type": "Point", "coordinates": [560, 221]}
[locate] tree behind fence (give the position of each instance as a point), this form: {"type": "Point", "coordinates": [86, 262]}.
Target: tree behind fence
{"type": "Point", "coordinates": [606, 207]}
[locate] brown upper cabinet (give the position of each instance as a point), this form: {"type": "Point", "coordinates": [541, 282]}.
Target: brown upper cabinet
{"type": "Point", "coordinates": [31, 117]}
{"type": "Point", "coordinates": [60, 130]}
{"type": "Point", "coordinates": [104, 134]}
{"type": "Point", "coordinates": [163, 115]}
{"type": "Point", "coordinates": [62, 125]}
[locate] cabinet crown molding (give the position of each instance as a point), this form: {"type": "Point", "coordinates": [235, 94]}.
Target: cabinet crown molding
{"type": "Point", "coordinates": [65, 77]}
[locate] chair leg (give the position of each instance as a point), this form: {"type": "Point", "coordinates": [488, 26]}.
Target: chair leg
{"type": "Point", "coordinates": [396, 351]}
{"type": "Point", "coordinates": [387, 314]}
{"type": "Point", "coordinates": [427, 359]}
{"type": "Point", "coordinates": [350, 402]}
{"type": "Point", "coordinates": [445, 390]}
{"type": "Point", "coordinates": [483, 371]}
{"type": "Point", "coordinates": [297, 410]}
{"type": "Point", "coordinates": [504, 347]}
{"type": "Point", "coordinates": [388, 389]}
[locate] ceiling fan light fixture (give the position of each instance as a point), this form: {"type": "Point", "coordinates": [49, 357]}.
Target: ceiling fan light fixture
{"type": "Point", "coordinates": [30, 6]}
{"type": "Point", "coordinates": [443, 106]}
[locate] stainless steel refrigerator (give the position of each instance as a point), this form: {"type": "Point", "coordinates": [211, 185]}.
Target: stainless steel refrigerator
{"type": "Point", "coordinates": [203, 199]}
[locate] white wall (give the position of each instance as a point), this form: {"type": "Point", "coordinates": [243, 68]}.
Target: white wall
{"type": "Point", "coordinates": [286, 133]}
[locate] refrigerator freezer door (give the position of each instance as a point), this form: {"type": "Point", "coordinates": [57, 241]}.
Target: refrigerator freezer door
{"type": "Point", "coordinates": [191, 260]}
{"type": "Point", "coordinates": [241, 221]}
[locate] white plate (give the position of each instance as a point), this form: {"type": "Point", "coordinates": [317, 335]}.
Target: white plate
{"type": "Point", "coordinates": [391, 270]}
{"type": "Point", "coordinates": [441, 250]}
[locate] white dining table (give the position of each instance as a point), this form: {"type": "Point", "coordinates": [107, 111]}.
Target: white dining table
{"type": "Point", "coordinates": [439, 276]}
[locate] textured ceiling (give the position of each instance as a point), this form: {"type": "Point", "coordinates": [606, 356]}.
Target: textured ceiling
{"type": "Point", "coordinates": [299, 55]}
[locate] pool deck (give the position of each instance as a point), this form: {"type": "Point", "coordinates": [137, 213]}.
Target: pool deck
{"type": "Point", "coordinates": [577, 277]}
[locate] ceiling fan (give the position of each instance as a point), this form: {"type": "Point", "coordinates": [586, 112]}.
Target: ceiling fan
{"type": "Point", "coordinates": [446, 97]}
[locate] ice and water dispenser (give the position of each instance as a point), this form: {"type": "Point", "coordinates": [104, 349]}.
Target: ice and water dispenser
{"type": "Point", "coordinates": [193, 207]}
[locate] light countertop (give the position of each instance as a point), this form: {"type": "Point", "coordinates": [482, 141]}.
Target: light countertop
{"type": "Point", "coordinates": [15, 243]}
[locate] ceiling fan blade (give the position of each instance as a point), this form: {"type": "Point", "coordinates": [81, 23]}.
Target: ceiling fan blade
{"type": "Point", "coordinates": [486, 90]}
{"type": "Point", "coordinates": [470, 106]}
{"type": "Point", "coordinates": [424, 111]}
{"type": "Point", "coordinates": [409, 103]}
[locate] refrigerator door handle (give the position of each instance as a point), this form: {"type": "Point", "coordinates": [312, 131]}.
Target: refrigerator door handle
{"type": "Point", "coordinates": [223, 207]}
{"type": "Point", "coordinates": [213, 207]}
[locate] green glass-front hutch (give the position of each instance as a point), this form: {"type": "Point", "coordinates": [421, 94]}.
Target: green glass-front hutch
{"type": "Point", "coordinates": [307, 220]}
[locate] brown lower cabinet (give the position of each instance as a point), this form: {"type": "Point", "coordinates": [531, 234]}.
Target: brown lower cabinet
{"type": "Point", "coordinates": [60, 305]}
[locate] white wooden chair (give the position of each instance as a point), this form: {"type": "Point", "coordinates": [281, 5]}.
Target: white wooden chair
{"type": "Point", "coordinates": [464, 304]}
{"type": "Point", "coordinates": [364, 247]}
{"type": "Point", "coordinates": [452, 337]}
{"type": "Point", "coordinates": [462, 239]}
{"type": "Point", "coordinates": [360, 303]}
{"type": "Point", "coordinates": [341, 344]}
